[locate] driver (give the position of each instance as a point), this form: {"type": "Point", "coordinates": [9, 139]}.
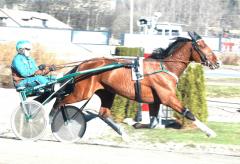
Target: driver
{"type": "Point", "coordinates": [25, 72]}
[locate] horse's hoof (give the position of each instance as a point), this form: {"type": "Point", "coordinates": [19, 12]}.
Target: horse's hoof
{"type": "Point", "coordinates": [212, 134]}
{"type": "Point", "coordinates": [125, 137]}
{"type": "Point", "coordinates": [153, 122]}
{"type": "Point", "coordinates": [209, 132]}
{"type": "Point", "coordinates": [129, 121]}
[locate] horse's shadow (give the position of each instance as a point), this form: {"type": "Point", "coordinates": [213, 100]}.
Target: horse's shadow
{"type": "Point", "coordinates": [173, 124]}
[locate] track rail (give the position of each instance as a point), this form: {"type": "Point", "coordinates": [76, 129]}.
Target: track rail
{"type": "Point", "coordinates": [224, 102]}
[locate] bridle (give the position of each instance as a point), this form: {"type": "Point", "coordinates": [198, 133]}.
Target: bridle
{"type": "Point", "coordinates": [203, 57]}
{"type": "Point", "coordinates": [195, 39]}
{"type": "Point", "coordinates": [195, 46]}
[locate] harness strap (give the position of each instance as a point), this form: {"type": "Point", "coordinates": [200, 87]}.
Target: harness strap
{"type": "Point", "coordinates": [163, 69]}
{"type": "Point", "coordinates": [137, 83]}
{"type": "Point", "coordinates": [173, 75]}
{"type": "Point", "coordinates": [201, 54]}
{"type": "Point", "coordinates": [138, 89]}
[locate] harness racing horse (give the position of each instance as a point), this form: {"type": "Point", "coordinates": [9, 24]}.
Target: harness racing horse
{"type": "Point", "coordinates": [157, 87]}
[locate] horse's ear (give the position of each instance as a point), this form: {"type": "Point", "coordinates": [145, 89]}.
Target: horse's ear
{"type": "Point", "coordinates": [191, 34]}
{"type": "Point", "coordinates": [197, 37]}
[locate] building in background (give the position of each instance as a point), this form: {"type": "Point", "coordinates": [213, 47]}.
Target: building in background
{"type": "Point", "coordinates": [154, 34]}
{"type": "Point", "coordinates": [34, 26]}
{"type": "Point", "coordinates": [55, 35]}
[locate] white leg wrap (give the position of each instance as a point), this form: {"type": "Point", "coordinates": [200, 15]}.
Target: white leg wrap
{"type": "Point", "coordinates": [124, 136]}
{"type": "Point", "coordinates": [209, 132]}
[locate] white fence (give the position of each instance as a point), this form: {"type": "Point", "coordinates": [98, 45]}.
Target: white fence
{"type": "Point", "coordinates": [62, 41]}
{"type": "Point", "coordinates": [88, 39]}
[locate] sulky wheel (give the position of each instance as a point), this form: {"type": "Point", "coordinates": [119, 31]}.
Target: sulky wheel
{"type": "Point", "coordinates": [29, 120]}
{"type": "Point", "coordinates": [68, 124]}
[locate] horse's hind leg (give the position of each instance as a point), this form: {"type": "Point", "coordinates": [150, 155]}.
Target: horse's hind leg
{"type": "Point", "coordinates": [153, 114]}
{"type": "Point", "coordinates": [107, 99]}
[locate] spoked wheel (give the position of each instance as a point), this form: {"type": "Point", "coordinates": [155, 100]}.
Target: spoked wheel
{"type": "Point", "coordinates": [68, 124]}
{"type": "Point", "coordinates": [29, 121]}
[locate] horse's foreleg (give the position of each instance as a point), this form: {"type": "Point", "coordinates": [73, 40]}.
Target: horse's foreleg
{"type": "Point", "coordinates": [175, 104]}
{"type": "Point", "coordinates": [188, 114]}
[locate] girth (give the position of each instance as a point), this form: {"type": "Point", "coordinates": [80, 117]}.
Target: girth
{"type": "Point", "coordinates": [137, 87]}
{"type": "Point", "coordinates": [138, 77]}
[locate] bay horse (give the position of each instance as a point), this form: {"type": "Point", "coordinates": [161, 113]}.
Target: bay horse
{"type": "Point", "coordinates": [158, 85]}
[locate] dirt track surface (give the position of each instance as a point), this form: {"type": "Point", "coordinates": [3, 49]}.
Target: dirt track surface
{"type": "Point", "coordinates": [19, 152]}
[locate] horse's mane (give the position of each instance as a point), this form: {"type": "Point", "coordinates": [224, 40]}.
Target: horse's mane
{"type": "Point", "coordinates": [161, 53]}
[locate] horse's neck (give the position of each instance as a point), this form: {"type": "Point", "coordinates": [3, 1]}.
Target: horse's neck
{"type": "Point", "coordinates": [179, 60]}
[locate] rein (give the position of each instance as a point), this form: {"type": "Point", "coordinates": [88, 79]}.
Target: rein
{"type": "Point", "coordinates": [180, 61]}
{"type": "Point", "coordinates": [70, 64]}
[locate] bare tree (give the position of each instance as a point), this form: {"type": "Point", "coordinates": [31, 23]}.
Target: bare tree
{"type": "Point", "coordinates": [201, 16]}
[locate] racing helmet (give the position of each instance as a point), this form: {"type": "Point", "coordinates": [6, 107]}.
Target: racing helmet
{"type": "Point", "coordinates": [23, 44]}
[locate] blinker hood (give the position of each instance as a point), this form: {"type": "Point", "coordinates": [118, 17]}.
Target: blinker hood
{"type": "Point", "coordinates": [194, 36]}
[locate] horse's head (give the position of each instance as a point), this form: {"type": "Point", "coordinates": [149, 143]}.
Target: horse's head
{"type": "Point", "coordinates": [202, 53]}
